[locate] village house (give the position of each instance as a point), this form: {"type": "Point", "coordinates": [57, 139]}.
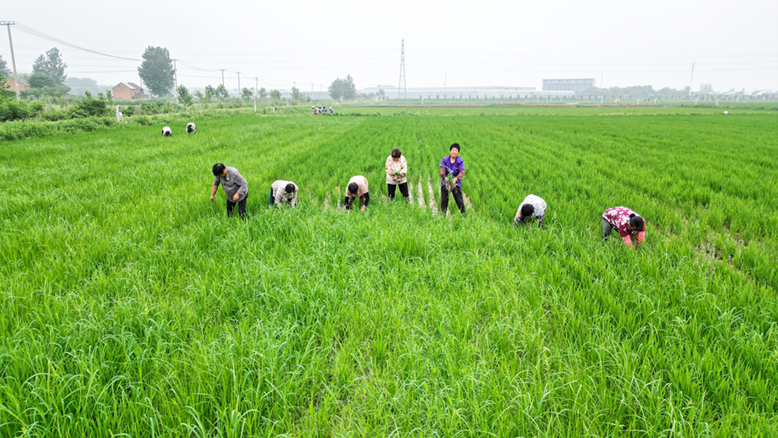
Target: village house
{"type": "Point", "coordinates": [23, 85]}
{"type": "Point", "coordinates": [130, 90]}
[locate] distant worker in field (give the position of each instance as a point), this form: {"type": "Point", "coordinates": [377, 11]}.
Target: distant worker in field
{"type": "Point", "coordinates": [119, 115]}
{"type": "Point", "coordinates": [191, 128]}
{"type": "Point", "coordinates": [396, 171]}
{"type": "Point", "coordinates": [166, 132]}
{"type": "Point", "coordinates": [331, 110]}
{"type": "Point", "coordinates": [452, 170]}
{"type": "Point", "coordinates": [626, 222]}
{"type": "Point", "coordinates": [357, 188]}
{"type": "Point", "coordinates": [283, 192]}
{"type": "Point", "coordinates": [531, 207]}
{"type": "Point", "coordinates": [235, 188]}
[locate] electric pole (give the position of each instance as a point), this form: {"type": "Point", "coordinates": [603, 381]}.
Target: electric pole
{"type": "Point", "coordinates": [403, 87]}
{"type": "Point", "coordinates": [13, 58]}
{"type": "Point", "coordinates": [256, 88]}
{"type": "Point", "coordinates": [691, 80]}
{"type": "Point", "coordinates": [238, 83]}
{"type": "Point", "coordinates": [222, 76]}
{"type": "Point", "coordinates": [175, 73]}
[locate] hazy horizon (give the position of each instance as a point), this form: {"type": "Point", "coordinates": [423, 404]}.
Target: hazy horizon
{"type": "Point", "coordinates": [310, 44]}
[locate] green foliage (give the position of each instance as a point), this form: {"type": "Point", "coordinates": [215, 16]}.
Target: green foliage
{"type": "Point", "coordinates": [210, 93]}
{"type": "Point", "coordinates": [343, 88]}
{"type": "Point", "coordinates": [296, 95]}
{"type": "Point", "coordinates": [51, 64]}
{"type": "Point", "coordinates": [10, 109]}
{"type": "Point", "coordinates": [247, 94]}
{"type": "Point", "coordinates": [4, 70]}
{"type": "Point", "coordinates": [90, 107]}
{"type": "Point", "coordinates": [157, 70]}
{"type": "Point", "coordinates": [262, 93]}
{"type": "Point", "coordinates": [40, 80]}
{"type": "Point", "coordinates": [184, 98]}
{"type": "Point", "coordinates": [123, 314]}
{"type": "Point", "coordinates": [275, 95]}
{"type": "Point", "coordinates": [222, 93]}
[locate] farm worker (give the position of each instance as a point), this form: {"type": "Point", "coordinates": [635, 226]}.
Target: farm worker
{"type": "Point", "coordinates": [396, 170]}
{"type": "Point", "coordinates": [166, 131]}
{"type": "Point", "coordinates": [331, 110]}
{"type": "Point", "coordinates": [283, 191]}
{"type": "Point", "coordinates": [626, 222]}
{"type": "Point", "coordinates": [191, 128]}
{"type": "Point", "coordinates": [531, 207]}
{"type": "Point", "coordinates": [452, 168]}
{"type": "Point", "coordinates": [235, 187]}
{"type": "Point", "coordinates": [119, 115]}
{"type": "Point", "coordinates": [357, 188]}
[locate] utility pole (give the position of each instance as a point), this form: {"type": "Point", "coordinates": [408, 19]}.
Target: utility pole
{"type": "Point", "coordinates": [175, 73]}
{"type": "Point", "coordinates": [403, 87]}
{"type": "Point", "coordinates": [691, 80]}
{"type": "Point", "coordinates": [222, 76]}
{"type": "Point", "coordinates": [239, 91]}
{"type": "Point", "coordinates": [13, 58]}
{"type": "Point", "coordinates": [256, 88]}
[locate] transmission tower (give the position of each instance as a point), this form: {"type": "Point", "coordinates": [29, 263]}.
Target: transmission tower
{"type": "Point", "coordinates": [402, 90]}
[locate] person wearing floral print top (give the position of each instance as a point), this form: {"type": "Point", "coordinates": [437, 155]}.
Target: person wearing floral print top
{"type": "Point", "coordinates": [532, 206]}
{"type": "Point", "coordinates": [396, 171]}
{"type": "Point", "coordinates": [626, 222]}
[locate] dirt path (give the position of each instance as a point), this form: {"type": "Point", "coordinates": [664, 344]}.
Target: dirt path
{"type": "Point", "coordinates": [420, 193]}
{"type": "Point", "coordinates": [433, 205]}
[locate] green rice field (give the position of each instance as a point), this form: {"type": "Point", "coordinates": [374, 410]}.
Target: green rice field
{"type": "Point", "coordinates": [130, 306]}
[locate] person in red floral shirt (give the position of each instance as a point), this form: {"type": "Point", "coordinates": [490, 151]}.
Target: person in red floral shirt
{"type": "Point", "coordinates": [626, 222]}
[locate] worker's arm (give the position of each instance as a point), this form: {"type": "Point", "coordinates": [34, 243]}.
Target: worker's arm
{"type": "Point", "coordinates": [213, 191]}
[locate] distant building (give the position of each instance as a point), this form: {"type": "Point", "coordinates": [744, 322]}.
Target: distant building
{"type": "Point", "coordinates": [23, 85]}
{"type": "Point", "coordinates": [130, 90]}
{"type": "Point", "coordinates": [463, 93]}
{"type": "Point", "coordinates": [575, 85]}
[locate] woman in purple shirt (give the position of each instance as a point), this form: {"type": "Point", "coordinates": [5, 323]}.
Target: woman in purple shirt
{"type": "Point", "coordinates": [452, 170]}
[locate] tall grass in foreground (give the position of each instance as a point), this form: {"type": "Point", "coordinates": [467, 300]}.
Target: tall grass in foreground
{"type": "Point", "coordinates": [131, 306]}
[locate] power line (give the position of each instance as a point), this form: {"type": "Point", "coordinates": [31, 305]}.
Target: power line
{"type": "Point", "coordinates": [34, 32]}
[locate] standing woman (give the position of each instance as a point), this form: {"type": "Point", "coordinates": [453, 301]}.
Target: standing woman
{"type": "Point", "coordinates": [452, 170]}
{"type": "Point", "coordinates": [396, 171]}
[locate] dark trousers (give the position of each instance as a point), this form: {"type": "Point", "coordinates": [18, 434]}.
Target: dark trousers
{"type": "Point", "coordinates": [607, 228]}
{"type": "Point", "coordinates": [365, 198]}
{"type": "Point", "coordinates": [393, 189]}
{"type": "Point", "coordinates": [241, 207]}
{"type": "Point", "coordinates": [457, 197]}
{"type": "Point", "coordinates": [272, 198]}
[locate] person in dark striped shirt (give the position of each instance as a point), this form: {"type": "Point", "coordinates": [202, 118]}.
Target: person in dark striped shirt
{"type": "Point", "coordinates": [235, 188]}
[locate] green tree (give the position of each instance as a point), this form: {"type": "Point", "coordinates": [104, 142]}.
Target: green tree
{"type": "Point", "coordinates": [4, 68]}
{"type": "Point", "coordinates": [41, 80]}
{"type": "Point", "coordinates": [296, 94]}
{"type": "Point", "coordinates": [157, 70]}
{"type": "Point", "coordinates": [275, 95]}
{"type": "Point", "coordinates": [262, 93]}
{"type": "Point", "coordinates": [247, 94]}
{"type": "Point", "coordinates": [222, 93]}
{"type": "Point", "coordinates": [184, 98]}
{"type": "Point", "coordinates": [51, 64]}
{"type": "Point", "coordinates": [198, 94]}
{"type": "Point", "coordinates": [344, 88]}
{"type": "Point", "coordinates": [210, 93]}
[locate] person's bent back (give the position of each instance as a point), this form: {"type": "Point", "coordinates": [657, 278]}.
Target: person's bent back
{"type": "Point", "coordinates": [626, 222]}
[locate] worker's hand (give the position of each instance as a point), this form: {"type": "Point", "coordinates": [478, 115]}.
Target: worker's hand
{"type": "Point", "coordinates": [211, 198]}
{"type": "Point", "coordinates": [235, 197]}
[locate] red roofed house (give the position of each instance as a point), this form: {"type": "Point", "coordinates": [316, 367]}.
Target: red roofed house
{"type": "Point", "coordinates": [130, 90]}
{"type": "Point", "coordinates": [23, 85]}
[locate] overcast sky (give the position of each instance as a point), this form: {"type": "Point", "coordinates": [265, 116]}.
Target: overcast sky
{"type": "Point", "coordinates": [512, 43]}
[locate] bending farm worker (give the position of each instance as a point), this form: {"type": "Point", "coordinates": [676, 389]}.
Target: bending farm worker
{"type": "Point", "coordinates": [235, 188]}
{"type": "Point", "coordinates": [531, 207]}
{"type": "Point", "coordinates": [191, 128]}
{"type": "Point", "coordinates": [357, 188]}
{"type": "Point", "coordinates": [166, 132]}
{"type": "Point", "coordinates": [396, 171]}
{"type": "Point", "coordinates": [283, 192]}
{"type": "Point", "coordinates": [626, 222]}
{"type": "Point", "coordinates": [452, 170]}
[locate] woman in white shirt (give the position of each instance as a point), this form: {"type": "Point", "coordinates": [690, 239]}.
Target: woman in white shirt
{"type": "Point", "coordinates": [396, 172]}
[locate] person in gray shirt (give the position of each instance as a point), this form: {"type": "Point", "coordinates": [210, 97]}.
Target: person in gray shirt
{"type": "Point", "coordinates": [235, 187]}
